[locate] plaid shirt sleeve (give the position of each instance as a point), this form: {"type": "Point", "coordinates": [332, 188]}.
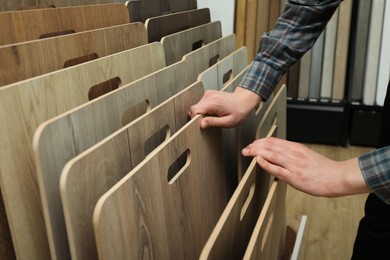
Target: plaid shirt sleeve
{"type": "Point", "coordinates": [375, 167]}
{"type": "Point", "coordinates": [295, 33]}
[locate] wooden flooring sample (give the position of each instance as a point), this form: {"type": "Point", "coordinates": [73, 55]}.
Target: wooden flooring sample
{"type": "Point", "coordinates": [19, 26]}
{"type": "Point", "coordinates": [359, 50]}
{"type": "Point", "coordinates": [178, 44]}
{"type": "Point", "coordinates": [304, 75]}
{"type": "Point", "coordinates": [231, 234]}
{"type": "Point", "coordinates": [342, 47]}
{"type": "Point", "coordinates": [33, 58]}
{"type": "Point", "coordinates": [182, 5]}
{"type": "Point", "coordinates": [89, 124]}
{"type": "Point", "coordinates": [100, 167]}
{"type": "Point", "coordinates": [158, 27]}
{"type": "Point", "coordinates": [162, 208]}
{"type": "Point", "coordinates": [6, 5]}
{"type": "Point", "coordinates": [220, 74]}
{"type": "Point", "coordinates": [384, 60]}
{"type": "Point", "coordinates": [316, 67]}
{"type": "Point", "coordinates": [373, 52]}
{"type": "Point", "coordinates": [25, 105]}
{"type": "Point", "coordinates": [329, 61]}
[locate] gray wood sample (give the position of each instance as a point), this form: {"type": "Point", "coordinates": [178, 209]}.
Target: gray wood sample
{"type": "Point", "coordinates": [316, 67]}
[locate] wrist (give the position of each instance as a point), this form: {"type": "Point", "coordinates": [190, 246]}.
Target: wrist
{"type": "Point", "coordinates": [248, 97]}
{"type": "Point", "coordinates": [353, 180]}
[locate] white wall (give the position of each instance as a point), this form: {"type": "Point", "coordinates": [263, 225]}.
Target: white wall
{"type": "Point", "coordinates": [221, 10]}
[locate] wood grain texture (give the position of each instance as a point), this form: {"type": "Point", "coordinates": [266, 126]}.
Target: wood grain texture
{"type": "Point", "coordinates": [221, 73]}
{"type": "Point", "coordinates": [33, 58]}
{"type": "Point", "coordinates": [342, 47]}
{"type": "Point", "coordinates": [176, 216]}
{"type": "Point", "coordinates": [89, 124]}
{"type": "Point", "coordinates": [259, 246]}
{"type": "Point", "coordinates": [158, 27]}
{"type": "Point", "coordinates": [6, 247]}
{"type": "Point", "coordinates": [24, 106]}
{"type": "Point", "coordinates": [140, 11]}
{"type": "Point", "coordinates": [239, 28]}
{"type": "Point", "coordinates": [384, 61]}
{"type": "Point", "coordinates": [231, 235]}
{"type": "Point", "coordinates": [178, 44]}
{"type": "Point", "coordinates": [29, 25]}
{"type": "Point", "coordinates": [35, 4]}
{"type": "Point", "coordinates": [88, 176]}
{"type": "Point", "coordinates": [316, 67]}
{"type": "Point", "coordinates": [182, 5]}
{"type": "Point", "coordinates": [359, 49]}
{"type": "Point", "coordinates": [373, 51]}
{"type": "Point", "coordinates": [304, 75]}
{"type": "Point", "coordinates": [328, 60]}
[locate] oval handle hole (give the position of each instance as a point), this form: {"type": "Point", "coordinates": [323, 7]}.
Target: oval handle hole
{"type": "Point", "coordinates": [156, 139]}
{"type": "Point", "coordinates": [196, 45]}
{"type": "Point", "coordinates": [178, 166]}
{"type": "Point", "coordinates": [213, 60]}
{"type": "Point", "coordinates": [248, 200]}
{"type": "Point", "coordinates": [227, 76]}
{"type": "Point", "coordinates": [267, 230]}
{"type": "Point", "coordinates": [103, 88]}
{"type": "Point", "coordinates": [21, 8]}
{"type": "Point", "coordinates": [79, 60]}
{"type": "Point", "coordinates": [135, 111]}
{"type": "Point", "coordinates": [55, 34]}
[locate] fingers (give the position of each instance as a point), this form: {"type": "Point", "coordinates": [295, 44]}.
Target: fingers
{"type": "Point", "coordinates": [211, 121]}
{"type": "Point", "coordinates": [275, 170]}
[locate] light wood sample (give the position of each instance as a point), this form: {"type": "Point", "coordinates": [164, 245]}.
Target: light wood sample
{"type": "Point", "coordinates": [6, 5]}
{"type": "Point", "coordinates": [160, 26]}
{"type": "Point", "coordinates": [90, 174]}
{"type": "Point", "coordinates": [178, 44]}
{"type": "Point", "coordinates": [33, 58]}
{"type": "Point", "coordinates": [231, 235]}
{"type": "Point", "coordinates": [91, 123]}
{"type": "Point", "coordinates": [150, 213]}
{"type": "Point", "coordinates": [24, 106]}
{"type": "Point", "coordinates": [19, 26]}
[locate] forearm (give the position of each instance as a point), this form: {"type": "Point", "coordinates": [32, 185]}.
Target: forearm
{"type": "Point", "coordinates": [295, 33]}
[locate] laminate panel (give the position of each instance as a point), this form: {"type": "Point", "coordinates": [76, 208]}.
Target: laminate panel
{"type": "Point", "coordinates": [359, 50]}
{"type": "Point", "coordinates": [88, 176]}
{"type": "Point", "coordinates": [33, 58]}
{"type": "Point", "coordinates": [384, 61]}
{"type": "Point", "coordinates": [178, 212]}
{"type": "Point", "coordinates": [29, 25]}
{"type": "Point", "coordinates": [92, 122]}
{"type": "Point", "coordinates": [240, 16]}
{"type": "Point", "coordinates": [158, 27]}
{"type": "Point", "coordinates": [231, 235]}
{"type": "Point", "coordinates": [342, 47]}
{"type": "Point", "coordinates": [259, 246]}
{"type": "Point", "coordinates": [35, 4]}
{"type": "Point", "coordinates": [180, 5]}
{"type": "Point", "coordinates": [316, 67]}
{"type": "Point", "coordinates": [141, 10]}
{"type": "Point", "coordinates": [373, 52]}
{"type": "Point", "coordinates": [24, 106]}
{"type": "Point", "coordinates": [304, 75]}
{"type": "Point", "coordinates": [328, 61]}
{"type": "Point", "coordinates": [178, 44]}
{"type": "Point", "coordinates": [220, 74]}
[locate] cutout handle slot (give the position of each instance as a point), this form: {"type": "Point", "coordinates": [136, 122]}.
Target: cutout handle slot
{"type": "Point", "coordinates": [156, 139]}
{"type": "Point", "coordinates": [213, 60]}
{"type": "Point", "coordinates": [79, 60]}
{"type": "Point", "coordinates": [135, 111]}
{"type": "Point", "coordinates": [179, 166]}
{"type": "Point", "coordinates": [227, 77]}
{"type": "Point", "coordinates": [198, 44]}
{"type": "Point", "coordinates": [248, 200]}
{"type": "Point", "coordinates": [55, 34]}
{"type": "Point", "coordinates": [103, 88]}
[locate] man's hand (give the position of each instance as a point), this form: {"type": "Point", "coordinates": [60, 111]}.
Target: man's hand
{"type": "Point", "coordinates": [307, 170]}
{"type": "Point", "coordinates": [224, 109]}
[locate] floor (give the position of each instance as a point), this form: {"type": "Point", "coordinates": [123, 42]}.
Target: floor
{"type": "Point", "coordinates": [331, 223]}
